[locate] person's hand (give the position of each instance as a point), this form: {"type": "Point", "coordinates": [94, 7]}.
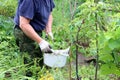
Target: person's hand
{"type": "Point", "coordinates": [45, 47]}
{"type": "Point", "coordinates": [50, 34]}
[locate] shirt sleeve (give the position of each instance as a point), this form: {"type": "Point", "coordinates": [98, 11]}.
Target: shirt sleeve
{"type": "Point", "coordinates": [52, 4]}
{"type": "Point", "coordinates": [26, 9]}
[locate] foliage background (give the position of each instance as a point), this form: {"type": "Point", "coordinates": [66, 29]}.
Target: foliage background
{"type": "Point", "coordinates": [68, 17]}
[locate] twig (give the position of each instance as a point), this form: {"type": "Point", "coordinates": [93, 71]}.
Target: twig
{"type": "Point", "coordinates": [77, 37]}
{"type": "Point", "coordinates": [97, 58]}
{"type": "Point", "coordinates": [77, 54]}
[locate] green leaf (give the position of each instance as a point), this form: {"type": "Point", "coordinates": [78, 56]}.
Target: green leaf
{"type": "Point", "coordinates": [3, 45]}
{"type": "Point", "coordinates": [105, 49]}
{"type": "Point", "coordinates": [106, 57]}
{"type": "Point", "coordinates": [113, 44]}
{"type": "Point", "coordinates": [109, 68]}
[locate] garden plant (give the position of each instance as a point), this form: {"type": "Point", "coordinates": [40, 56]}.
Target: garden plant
{"type": "Point", "coordinates": [89, 27]}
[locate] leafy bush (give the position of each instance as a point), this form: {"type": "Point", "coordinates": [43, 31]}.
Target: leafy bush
{"type": "Point", "coordinates": [7, 7]}
{"type": "Point", "coordinates": [99, 25]}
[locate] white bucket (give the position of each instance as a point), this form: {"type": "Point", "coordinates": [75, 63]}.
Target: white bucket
{"type": "Point", "coordinates": [57, 58]}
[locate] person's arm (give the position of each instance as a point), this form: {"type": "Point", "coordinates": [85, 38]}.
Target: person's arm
{"type": "Point", "coordinates": [48, 29]}
{"type": "Point", "coordinates": [28, 30]}
{"type": "Point", "coordinates": [49, 24]}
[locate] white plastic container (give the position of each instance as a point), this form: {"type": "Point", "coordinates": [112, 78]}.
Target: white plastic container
{"type": "Point", "coordinates": [57, 58]}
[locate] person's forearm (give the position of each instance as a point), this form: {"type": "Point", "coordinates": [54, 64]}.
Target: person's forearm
{"type": "Point", "coordinates": [49, 24]}
{"type": "Point", "coordinates": [29, 31]}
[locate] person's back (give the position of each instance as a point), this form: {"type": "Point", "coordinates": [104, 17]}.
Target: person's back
{"type": "Point", "coordinates": [36, 10]}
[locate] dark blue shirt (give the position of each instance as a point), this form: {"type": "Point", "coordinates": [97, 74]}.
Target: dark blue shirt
{"type": "Point", "coordinates": [37, 11]}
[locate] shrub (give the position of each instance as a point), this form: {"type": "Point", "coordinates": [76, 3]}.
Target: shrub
{"type": "Point", "coordinates": [7, 7]}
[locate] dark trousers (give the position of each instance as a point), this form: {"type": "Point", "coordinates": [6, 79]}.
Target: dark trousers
{"type": "Point", "coordinates": [28, 48]}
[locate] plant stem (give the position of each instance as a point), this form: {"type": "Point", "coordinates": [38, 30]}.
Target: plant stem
{"type": "Point", "coordinates": [77, 37]}
{"type": "Point", "coordinates": [77, 40]}
{"type": "Point", "coordinates": [97, 51]}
